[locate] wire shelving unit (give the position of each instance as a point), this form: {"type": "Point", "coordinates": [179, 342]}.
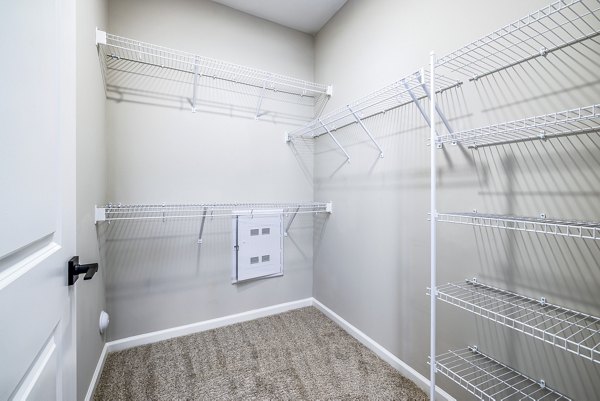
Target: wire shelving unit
{"type": "Point", "coordinates": [561, 25]}
{"type": "Point", "coordinates": [573, 331]}
{"type": "Point", "coordinates": [577, 121]}
{"type": "Point", "coordinates": [118, 212]}
{"type": "Point", "coordinates": [489, 379]}
{"type": "Point", "coordinates": [557, 26]}
{"type": "Point", "coordinates": [410, 89]}
{"type": "Point", "coordinates": [129, 55]}
{"type": "Point", "coordinates": [563, 228]}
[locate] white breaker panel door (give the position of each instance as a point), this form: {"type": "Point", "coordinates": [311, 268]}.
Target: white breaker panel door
{"type": "Point", "coordinates": [257, 246]}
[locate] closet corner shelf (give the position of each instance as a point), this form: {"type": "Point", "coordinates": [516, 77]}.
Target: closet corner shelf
{"type": "Point", "coordinates": [577, 121]}
{"type": "Point", "coordinates": [136, 57]}
{"type": "Point", "coordinates": [118, 212]}
{"type": "Point", "coordinates": [407, 90]}
{"type": "Point", "coordinates": [489, 379]}
{"type": "Point", "coordinates": [559, 25]}
{"type": "Point", "coordinates": [564, 228]}
{"type": "Point", "coordinates": [573, 331]}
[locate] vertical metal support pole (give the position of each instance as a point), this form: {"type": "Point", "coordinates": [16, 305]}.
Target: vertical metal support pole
{"type": "Point", "coordinates": [358, 120]}
{"type": "Point", "coordinates": [433, 222]}
{"type": "Point", "coordinates": [334, 140]}
{"type": "Point", "coordinates": [196, 71]}
{"type": "Point", "coordinates": [291, 221]}
{"type": "Point", "coordinates": [260, 99]}
{"type": "Point", "coordinates": [202, 226]}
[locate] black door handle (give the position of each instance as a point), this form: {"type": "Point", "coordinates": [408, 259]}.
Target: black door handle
{"type": "Point", "coordinates": [75, 269]}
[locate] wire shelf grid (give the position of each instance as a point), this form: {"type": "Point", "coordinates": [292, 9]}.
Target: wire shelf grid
{"type": "Point", "coordinates": [573, 331]}
{"type": "Point", "coordinates": [489, 379]}
{"type": "Point", "coordinates": [564, 228]}
{"type": "Point", "coordinates": [581, 120]}
{"type": "Point", "coordinates": [559, 25]}
{"type": "Point", "coordinates": [127, 54]}
{"type": "Point", "coordinates": [401, 93]}
{"type": "Point", "coordinates": [118, 212]}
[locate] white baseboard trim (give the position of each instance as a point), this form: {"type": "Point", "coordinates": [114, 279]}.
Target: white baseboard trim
{"type": "Point", "coordinates": [148, 338]}
{"type": "Point", "coordinates": [97, 373]}
{"type": "Point", "coordinates": [383, 353]}
{"type": "Point", "coordinates": [155, 336]}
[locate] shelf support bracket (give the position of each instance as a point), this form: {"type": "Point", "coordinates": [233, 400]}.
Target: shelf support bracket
{"type": "Point", "coordinates": [289, 224]}
{"type": "Point", "coordinates": [438, 110]}
{"type": "Point", "coordinates": [334, 140]}
{"type": "Point", "coordinates": [202, 226]}
{"type": "Point", "coordinates": [419, 105]}
{"type": "Point", "coordinates": [359, 121]}
{"type": "Point", "coordinates": [260, 99]}
{"type": "Point", "coordinates": [196, 76]}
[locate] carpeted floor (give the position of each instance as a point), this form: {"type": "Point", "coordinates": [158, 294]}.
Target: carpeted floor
{"type": "Point", "coordinates": [297, 355]}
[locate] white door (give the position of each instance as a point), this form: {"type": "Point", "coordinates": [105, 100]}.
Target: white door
{"type": "Point", "coordinates": [37, 199]}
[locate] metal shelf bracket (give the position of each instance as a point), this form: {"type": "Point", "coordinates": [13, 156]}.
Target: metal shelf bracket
{"type": "Point", "coordinates": [359, 121]}
{"type": "Point", "coordinates": [334, 139]}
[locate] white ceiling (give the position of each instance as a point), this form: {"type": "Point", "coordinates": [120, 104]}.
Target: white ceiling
{"type": "Point", "coordinates": [303, 15]}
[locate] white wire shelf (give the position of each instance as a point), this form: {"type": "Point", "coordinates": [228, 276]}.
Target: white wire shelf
{"type": "Point", "coordinates": [577, 121]}
{"type": "Point", "coordinates": [118, 212]}
{"type": "Point", "coordinates": [402, 92]}
{"type": "Point", "coordinates": [489, 379]}
{"type": "Point", "coordinates": [559, 25]}
{"type": "Point", "coordinates": [129, 55]}
{"type": "Point", "coordinates": [564, 328]}
{"type": "Point", "coordinates": [564, 228]}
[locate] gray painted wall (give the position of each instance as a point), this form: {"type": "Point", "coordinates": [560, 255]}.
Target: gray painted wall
{"type": "Point", "coordinates": [158, 151]}
{"type": "Point", "coordinates": [91, 186]}
{"type": "Point", "coordinates": [372, 263]}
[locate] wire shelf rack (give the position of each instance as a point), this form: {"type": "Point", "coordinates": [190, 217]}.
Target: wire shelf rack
{"type": "Point", "coordinates": [564, 328]}
{"type": "Point", "coordinates": [577, 121]}
{"type": "Point", "coordinates": [129, 55]}
{"type": "Point", "coordinates": [556, 26]}
{"type": "Point", "coordinates": [401, 93]}
{"type": "Point", "coordinates": [564, 228]}
{"type": "Point", "coordinates": [118, 212]}
{"type": "Point", "coordinates": [489, 379]}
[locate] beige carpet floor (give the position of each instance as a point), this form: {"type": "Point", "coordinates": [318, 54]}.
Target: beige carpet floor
{"type": "Point", "coordinates": [297, 355]}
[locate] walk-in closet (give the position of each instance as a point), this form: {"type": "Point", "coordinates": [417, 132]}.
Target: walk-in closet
{"type": "Point", "coordinates": [300, 200]}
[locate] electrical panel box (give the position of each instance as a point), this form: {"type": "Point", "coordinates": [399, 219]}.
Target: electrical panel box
{"type": "Point", "coordinates": [257, 245]}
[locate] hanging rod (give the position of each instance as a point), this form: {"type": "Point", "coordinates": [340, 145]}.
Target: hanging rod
{"type": "Point", "coordinates": [130, 53]}
{"type": "Point", "coordinates": [577, 121]}
{"type": "Point", "coordinates": [559, 25]}
{"type": "Point", "coordinates": [489, 379]}
{"type": "Point", "coordinates": [573, 331]}
{"type": "Point", "coordinates": [117, 212]}
{"type": "Point", "coordinates": [542, 225]}
{"type": "Point", "coordinates": [401, 93]}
